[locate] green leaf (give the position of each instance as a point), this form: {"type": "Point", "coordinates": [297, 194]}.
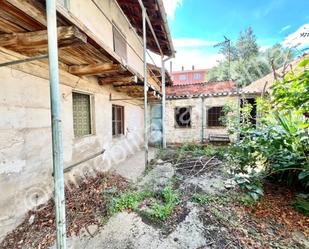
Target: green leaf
{"type": "Point", "coordinates": [303, 63]}
{"type": "Point", "coordinates": [303, 175]}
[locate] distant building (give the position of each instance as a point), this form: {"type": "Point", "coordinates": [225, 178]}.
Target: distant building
{"type": "Point", "coordinates": [188, 77]}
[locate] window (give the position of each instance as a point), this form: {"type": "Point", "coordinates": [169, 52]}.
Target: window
{"type": "Point", "coordinates": [118, 120]}
{"type": "Point", "coordinates": [182, 77]}
{"type": "Point", "coordinates": [183, 116]}
{"type": "Point", "coordinates": [214, 116]}
{"type": "Point", "coordinates": [120, 45]}
{"type": "Point", "coordinates": [81, 114]}
{"type": "Point", "coordinates": [197, 76]}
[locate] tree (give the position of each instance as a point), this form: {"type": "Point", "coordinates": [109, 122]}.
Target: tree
{"type": "Point", "coordinates": [246, 45]}
{"type": "Point", "coordinates": [278, 55]}
{"type": "Point", "coordinates": [248, 63]}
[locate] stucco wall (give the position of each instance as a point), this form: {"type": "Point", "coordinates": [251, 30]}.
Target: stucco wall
{"type": "Point", "coordinates": [99, 17]}
{"type": "Point", "coordinates": [25, 139]}
{"type": "Point", "coordinates": [193, 134]}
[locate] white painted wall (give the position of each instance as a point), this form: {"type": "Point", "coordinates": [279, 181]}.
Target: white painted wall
{"type": "Point", "coordinates": [25, 139]}
{"type": "Point", "coordinates": [100, 24]}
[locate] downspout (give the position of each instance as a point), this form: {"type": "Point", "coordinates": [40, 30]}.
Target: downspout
{"type": "Point", "coordinates": [57, 146]}
{"type": "Point", "coordinates": [164, 100]}
{"type": "Point", "coordinates": [145, 87]}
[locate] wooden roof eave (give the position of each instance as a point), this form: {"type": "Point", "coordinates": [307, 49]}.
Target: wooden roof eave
{"type": "Point", "coordinates": [108, 63]}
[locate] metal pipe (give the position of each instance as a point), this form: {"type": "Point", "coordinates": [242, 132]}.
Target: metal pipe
{"type": "Point", "coordinates": [67, 4]}
{"type": "Point", "coordinates": [163, 102]}
{"type": "Point", "coordinates": [57, 145]}
{"type": "Point", "coordinates": [145, 86]}
{"type": "Point", "coordinates": [67, 169]}
{"type": "Point", "coordinates": [203, 119]}
{"type": "Point", "coordinates": [35, 58]}
{"type": "Point", "coordinates": [150, 25]}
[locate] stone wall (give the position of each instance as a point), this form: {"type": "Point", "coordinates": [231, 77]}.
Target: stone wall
{"type": "Point", "coordinates": [193, 134]}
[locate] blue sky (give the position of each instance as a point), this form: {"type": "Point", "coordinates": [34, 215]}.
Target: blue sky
{"type": "Point", "coordinates": [196, 25]}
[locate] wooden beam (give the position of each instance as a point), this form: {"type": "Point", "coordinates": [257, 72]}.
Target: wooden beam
{"type": "Point", "coordinates": [32, 8]}
{"type": "Point", "coordinates": [118, 80]}
{"type": "Point", "coordinates": [37, 41]}
{"type": "Point", "coordinates": [96, 69]}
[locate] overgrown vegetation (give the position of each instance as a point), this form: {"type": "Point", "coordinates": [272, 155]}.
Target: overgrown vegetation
{"type": "Point", "coordinates": [278, 147]}
{"type": "Point", "coordinates": [199, 150]}
{"type": "Point", "coordinates": [162, 203]}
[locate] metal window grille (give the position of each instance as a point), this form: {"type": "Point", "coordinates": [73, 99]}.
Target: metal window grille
{"type": "Point", "coordinates": [215, 114]}
{"type": "Point", "coordinates": [81, 114]}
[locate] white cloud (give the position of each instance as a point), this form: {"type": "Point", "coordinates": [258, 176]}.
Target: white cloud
{"type": "Point", "coordinates": [171, 6]}
{"type": "Point", "coordinates": [299, 39]}
{"type": "Point", "coordinates": [200, 59]}
{"type": "Point", "coordinates": [285, 28]}
{"type": "Point", "coordinates": [191, 42]}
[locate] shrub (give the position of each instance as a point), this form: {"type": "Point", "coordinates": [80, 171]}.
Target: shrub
{"type": "Point", "coordinates": [279, 146]}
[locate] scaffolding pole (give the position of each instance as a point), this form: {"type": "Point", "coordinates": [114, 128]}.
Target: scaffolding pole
{"type": "Point", "coordinates": [164, 99]}
{"type": "Point", "coordinates": [145, 86]}
{"type": "Point", "coordinates": [163, 102]}
{"type": "Point", "coordinates": [57, 146]}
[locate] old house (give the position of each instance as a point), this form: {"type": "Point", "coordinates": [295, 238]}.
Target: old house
{"type": "Point", "coordinates": [101, 77]}
{"type": "Point", "coordinates": [194, 111]}
{"type": "Point", "coordinates": [185, 77]}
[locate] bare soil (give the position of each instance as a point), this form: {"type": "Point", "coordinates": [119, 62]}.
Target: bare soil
{"type": "Point", "coordinates": [221, 221]}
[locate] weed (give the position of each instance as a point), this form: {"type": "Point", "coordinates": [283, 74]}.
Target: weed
{"type": "Point", "coordinates": [126, 201]}
{"type": "Point", "coordinates": [162, 211]}
{"type": "Point", "coordinates": [216, 199]}
{"type": "Point", "coordinates": [198, 150]}
{"type": "Point", "coordinates": [200, 198]}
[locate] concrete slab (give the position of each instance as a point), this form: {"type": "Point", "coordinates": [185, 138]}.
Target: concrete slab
{"type": "Point", "coordinates": [133, 167]}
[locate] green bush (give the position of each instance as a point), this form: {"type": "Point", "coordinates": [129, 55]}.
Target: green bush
{"type": "Point", "coordinates": [279, 146]}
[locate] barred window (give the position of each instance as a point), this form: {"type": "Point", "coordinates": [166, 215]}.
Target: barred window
{"type": "Point", "coordinates": [81, 114]}
{"type": "Point", "coordinates": [215, 114]}
{"type": "Point", "coordinates": [118, 120]}
{"type": "Point", "coordinates": [183, 116]}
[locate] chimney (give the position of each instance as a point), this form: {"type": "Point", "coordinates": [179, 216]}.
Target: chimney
{"type": "Point", "coordinates": [192, 67]}
{"type": "Point", "coordinates": [182, 68]}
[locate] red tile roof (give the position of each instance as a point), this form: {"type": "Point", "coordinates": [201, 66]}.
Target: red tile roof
{"type": "Point", "coordinates": [201, 88]}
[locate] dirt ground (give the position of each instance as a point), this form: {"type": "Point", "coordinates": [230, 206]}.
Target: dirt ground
{"type": "Point", "coordinates": [209, 213]}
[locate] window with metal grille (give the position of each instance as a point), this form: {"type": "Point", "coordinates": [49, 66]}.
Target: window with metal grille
{"type": "Point", "coordinates": [183, 116]}
{"type": "Point", "coordinates": [118, 120]}
{"type": "Point", "coordinates": [81, 114]}
{"type": "Point", "coordinates": [215, 114]}
{"type": "Point", "coordinates": [120, 45]}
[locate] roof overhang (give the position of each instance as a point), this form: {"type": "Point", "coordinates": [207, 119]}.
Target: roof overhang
{"type": "Point", "coordinates": [158, 19]}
